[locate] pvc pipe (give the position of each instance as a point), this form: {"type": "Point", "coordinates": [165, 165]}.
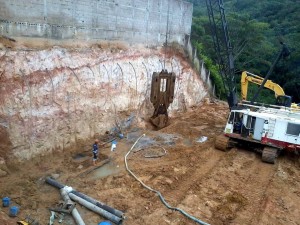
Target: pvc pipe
{"type": "Point", "coordinates": [75, 212]}
{"type": "Point", "coordinates": [96, 209]}
{"type": "Point", "coordinates": [116, 212]}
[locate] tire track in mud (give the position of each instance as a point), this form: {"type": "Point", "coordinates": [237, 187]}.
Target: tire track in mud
{"type": "Point", "coordinates": [155, 164]}
{"type": "Point", "coordinates": [259, 177]}
{"type": "Point", "coordinates": [197, 174]}
{"type": "Point", "coordinates": [244, 174]}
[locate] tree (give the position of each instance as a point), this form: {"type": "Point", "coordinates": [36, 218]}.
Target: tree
{"type": "Point", "coordinates": [255, 29]}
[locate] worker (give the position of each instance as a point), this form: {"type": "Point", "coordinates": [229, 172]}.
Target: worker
{"type": "Point", "coordinates": [113, 145]}
{"type": "Point", "coordinates": [95, 151]}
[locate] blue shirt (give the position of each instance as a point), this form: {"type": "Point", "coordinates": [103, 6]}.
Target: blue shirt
{"type": "Point", "coordinates": [95, 148]}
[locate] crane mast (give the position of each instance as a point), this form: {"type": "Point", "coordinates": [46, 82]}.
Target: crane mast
{"type": "Point", "coordinates": [269, 130]}
{"type": "Point", "coordinates": [223, 48]}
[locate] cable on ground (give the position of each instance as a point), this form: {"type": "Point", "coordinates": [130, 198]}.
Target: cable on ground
{"type": "Point", "coordinates": [157, 192]}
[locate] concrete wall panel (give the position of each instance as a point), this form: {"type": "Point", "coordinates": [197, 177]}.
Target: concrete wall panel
{"type": "Point", "coordinates": [121, 20]}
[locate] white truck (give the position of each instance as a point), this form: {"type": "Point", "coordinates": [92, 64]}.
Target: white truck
{"type": "Point", "coordinates": [268, 129]}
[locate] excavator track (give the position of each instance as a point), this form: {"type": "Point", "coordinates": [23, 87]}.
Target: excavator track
{"type": "Point", "coordinates": [223, 143]}
{"type": "Point", "coordinates": [269, 155]}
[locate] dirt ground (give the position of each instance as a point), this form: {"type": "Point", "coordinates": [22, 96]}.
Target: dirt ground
{"type": "Point", "coordinates": [233, 187]}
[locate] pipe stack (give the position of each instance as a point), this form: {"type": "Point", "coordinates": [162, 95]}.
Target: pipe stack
{"type": "Point", "coordinates": [114, 215]}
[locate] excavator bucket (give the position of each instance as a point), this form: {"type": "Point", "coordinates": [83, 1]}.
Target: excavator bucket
{"type": "Point", "coordinates": [162, 95]}
{"type": "Point", "coordinates": [159, 121]}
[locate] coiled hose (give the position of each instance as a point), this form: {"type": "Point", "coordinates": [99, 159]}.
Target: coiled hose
{"type": "Point", "coordinates": [157, 192]}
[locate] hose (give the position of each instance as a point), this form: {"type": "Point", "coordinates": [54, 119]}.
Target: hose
{"type": "Point", "coordinates": [153, 156]}
{"type": "Point", "coordinates": [158, 155]}
{"type": "Point", "coordinates": [157, 192]}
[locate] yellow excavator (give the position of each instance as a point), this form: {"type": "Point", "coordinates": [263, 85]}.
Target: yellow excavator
{"type": "Point", "coordinates": [281, 98]}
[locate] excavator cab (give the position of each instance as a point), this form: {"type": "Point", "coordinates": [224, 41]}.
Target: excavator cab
{"type": "Point", "coordinates": [284, 100]}
{"type": "Point", "coordinates": [162, 95]}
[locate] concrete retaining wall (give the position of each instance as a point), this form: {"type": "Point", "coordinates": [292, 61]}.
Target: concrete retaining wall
{"type": "Point", "coordinates": [141, 21]}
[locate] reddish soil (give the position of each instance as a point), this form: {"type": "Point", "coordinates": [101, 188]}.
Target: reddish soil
{"type": "Point", "coordinates": [233, 187]}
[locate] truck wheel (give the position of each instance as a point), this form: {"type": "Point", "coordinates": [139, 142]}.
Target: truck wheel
{"type": "Point", "coordinates": [223, 143]}
{"type": "Point", "coordinates": [269, 155]}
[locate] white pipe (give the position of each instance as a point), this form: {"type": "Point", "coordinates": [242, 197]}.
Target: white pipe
{"type": "Point", "coordinates": [75, 212]}
{"type": "Point", "coordinates": [96, 209]}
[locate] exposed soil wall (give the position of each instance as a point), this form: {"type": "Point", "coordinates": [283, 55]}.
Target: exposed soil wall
{"type": "Point", "coordinates": [50, 99]}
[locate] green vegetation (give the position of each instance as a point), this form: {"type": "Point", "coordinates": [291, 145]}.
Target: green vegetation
{"type": "Point", "coordinates": [256, 29]}
{"type": "Point", "coordinates": [214, 73]}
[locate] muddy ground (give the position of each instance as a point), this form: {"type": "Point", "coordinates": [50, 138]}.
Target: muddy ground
{"type": "Point", "coordinates": [233, 187]}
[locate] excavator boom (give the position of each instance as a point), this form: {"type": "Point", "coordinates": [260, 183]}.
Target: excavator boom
{"type": "Point", "coordinates": [281, 98]}
{"type": "Point", "coordinates": [249, 77]}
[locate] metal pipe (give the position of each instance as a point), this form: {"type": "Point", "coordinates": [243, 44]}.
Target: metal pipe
{"type": "Point", "coordinates": [96, 209]}
{"type": "Point", "coordinates": [75, 212]}
{"type": "Point", "coordinates": [116, 212]}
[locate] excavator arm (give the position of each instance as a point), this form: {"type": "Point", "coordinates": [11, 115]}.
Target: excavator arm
{"type": "Point", "coordinates": [249, 77]}
{"type": "Point", "coordinates": [281, 98]}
